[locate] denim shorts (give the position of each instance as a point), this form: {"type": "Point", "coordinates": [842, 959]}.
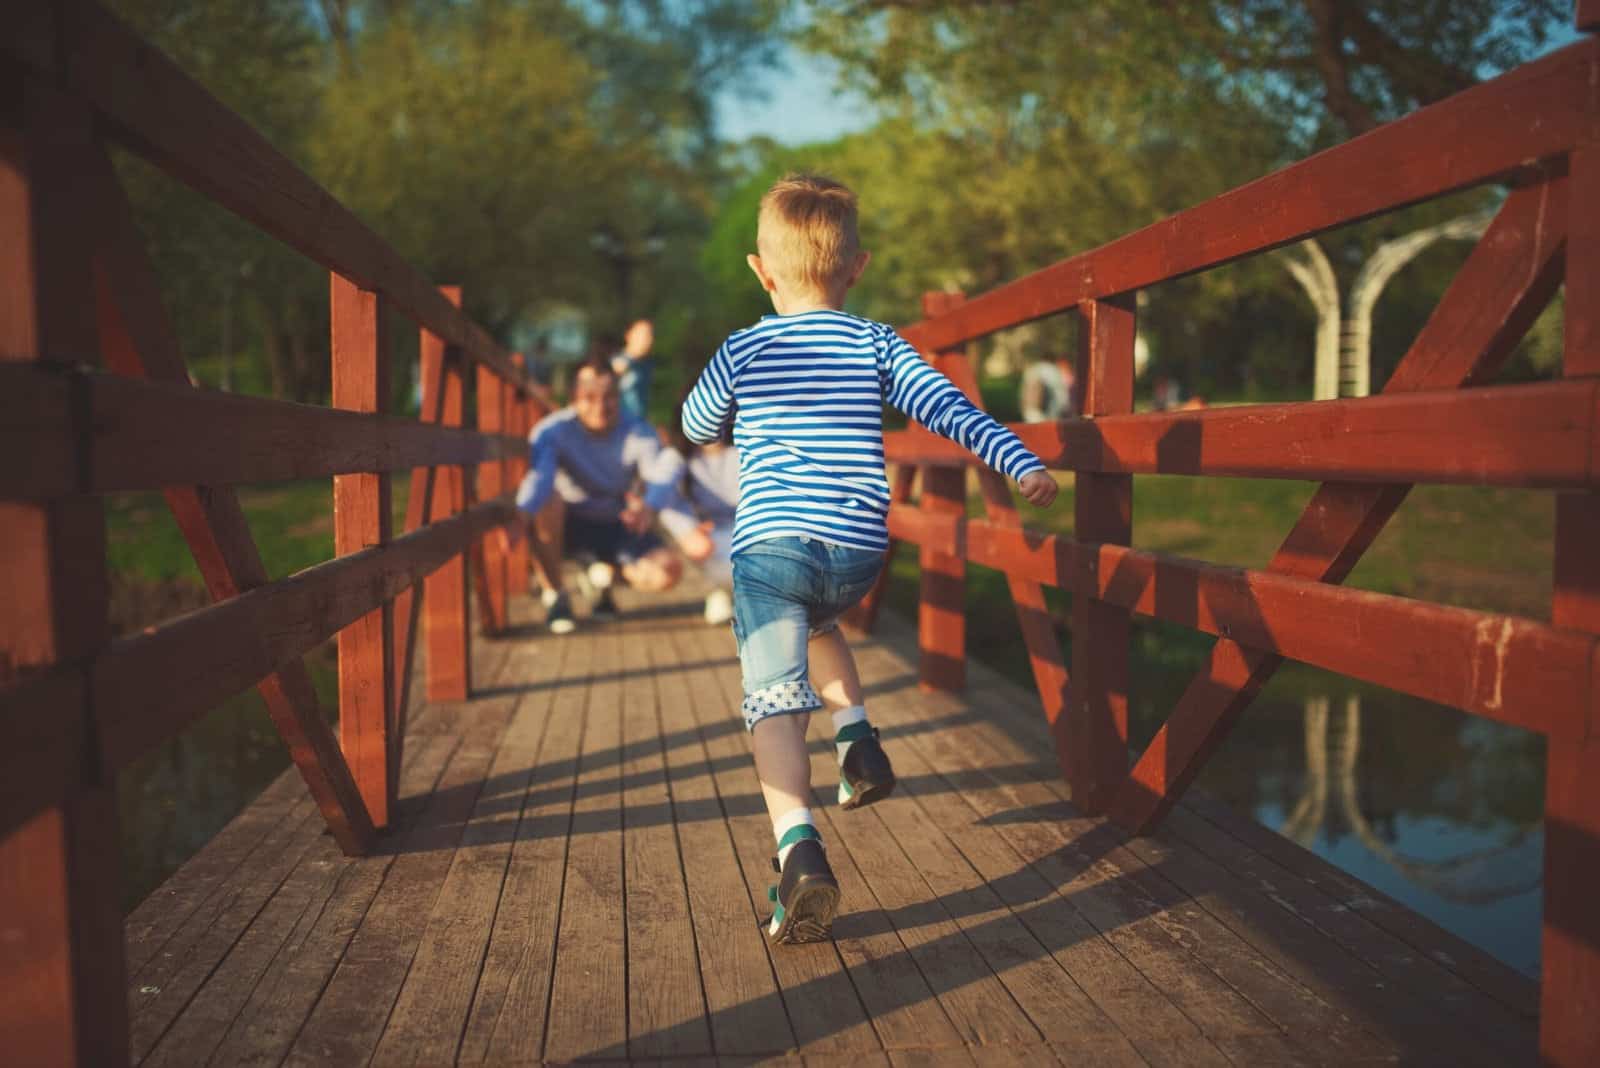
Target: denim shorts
{"type": "Point", "coordinates": [785, 592]}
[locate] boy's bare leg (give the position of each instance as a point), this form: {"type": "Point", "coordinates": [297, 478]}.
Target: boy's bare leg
{"type": "Point", "coordinates": [865, 773]}
{"type": "Point", "coordinates": [782, 763]}
{"type": "Point", "coordinates": [833, 671]}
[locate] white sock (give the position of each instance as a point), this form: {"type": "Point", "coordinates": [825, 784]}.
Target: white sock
{"type": "Point", "coordinates": [548, 596]}
{"type": "Point", "coordinates": [786, 823]}
{"type": "Point", "coordinates": [842, 719]}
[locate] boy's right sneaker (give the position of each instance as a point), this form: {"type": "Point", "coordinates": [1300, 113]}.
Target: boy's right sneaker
{"type": "Point", "coordinates": [865, 774]}
{"type": "Point", "coordinates": [719, 607]}
{"type": "Point", "coordinates": [558, 616]}
{"type": "Point", "coordinates": [806, 897]}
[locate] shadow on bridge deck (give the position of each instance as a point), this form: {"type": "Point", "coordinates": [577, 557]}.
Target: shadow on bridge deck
{"type": "Point", "coordinates": [580, 862]}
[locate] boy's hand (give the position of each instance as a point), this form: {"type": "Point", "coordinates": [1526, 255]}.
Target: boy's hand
{"type": "Point", "coordinates": [1038, 488]}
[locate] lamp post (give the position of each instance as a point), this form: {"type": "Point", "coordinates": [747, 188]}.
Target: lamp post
{"type": "Point", "coordinates": [624, 256]}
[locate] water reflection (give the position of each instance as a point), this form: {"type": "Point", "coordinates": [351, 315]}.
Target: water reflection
{"type": "Point", "coordinates": [1436, 809]}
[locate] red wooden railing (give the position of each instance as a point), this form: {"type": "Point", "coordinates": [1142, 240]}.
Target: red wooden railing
{"type": "Point", "coordinates": [1537, 129]}
{"type": "Point", "coordinates": [95, 399]}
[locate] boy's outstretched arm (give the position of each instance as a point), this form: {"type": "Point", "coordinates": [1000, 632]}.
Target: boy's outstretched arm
{"type": "Point", "coordinates": [707, 407]}
{"type": "Point", "coordinates": [930, 398]}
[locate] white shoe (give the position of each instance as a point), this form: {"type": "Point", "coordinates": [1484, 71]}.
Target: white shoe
{"type": "Point", "coordinates": [719, 607]}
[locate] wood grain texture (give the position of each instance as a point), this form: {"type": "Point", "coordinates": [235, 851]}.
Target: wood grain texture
{"type": "Point", "coordinates": [1501, 667]}
{"type": "Point", "coordinates": [1093, 730]}
{"type": "Point", "coordinates": [1535, 435]}
{"type": "Point", "coordinates": [941, 603]}
{"type": "Point", "coordinates": [361, 520]}
{"type": "Point", "coordinates": [1531, 113]}
{"type": "Point", "coordinates": [448, 630]}
{"type": "Point", "coordinates": [1507, 280]}
{"type": "Point", "coordinates": [139, 342]}
{"type": "Point", "coordinates": [147, 686]}
{"type": "Point", "coordinates": [1569, 1031]}
{"type": "Point", "coordinates": [61, 954]}
{"type": "Point", "coordinates": [153, 108]}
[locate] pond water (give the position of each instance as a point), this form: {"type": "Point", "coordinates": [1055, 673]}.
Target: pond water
{"type": "Point", "coordinates": [1439, 810]}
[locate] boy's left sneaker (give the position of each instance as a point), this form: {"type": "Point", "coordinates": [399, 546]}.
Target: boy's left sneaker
{"type": "Point", "coordinates": [865, 774]}
{"type": "Point", "coordinates": [806, 898]}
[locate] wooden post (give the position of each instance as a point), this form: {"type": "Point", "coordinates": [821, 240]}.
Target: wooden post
{"type": "Point", "coordinates": [492, 393]}
{"type": "Point", "coordinates": [445, 591]}
{"type": "Point", "coordinates": [362, 519]}
{"type": "Point", "coordinates": [1569, 1016]}
{"type": "Point", "coordinates": [61, 950]}
{"type": "Point", "coordinates": [1097, 704]}
{"type": "Point", "coordinates": [942, 607]}
{"type": "Point", "coordinates": [519, 424]}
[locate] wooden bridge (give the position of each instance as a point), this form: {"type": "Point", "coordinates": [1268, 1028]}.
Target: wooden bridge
{"type": "Point", "coordinates": [553, 849]}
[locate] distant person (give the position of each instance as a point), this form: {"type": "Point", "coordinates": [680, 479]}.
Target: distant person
{"type": "Point", "coordinates": [585, 463]}
{"type": "Point", "coordinates": [635, 368]}
{"type": "Point", "coordinates": [804, 391]}
{"type": "Point", "coordinates": [1046, 393]}
{"type": "Point", "coordinates": [694, 490]}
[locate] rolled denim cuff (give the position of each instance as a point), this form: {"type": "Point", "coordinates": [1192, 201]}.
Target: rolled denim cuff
{"type": "Point", "coordinates": [781, 698]}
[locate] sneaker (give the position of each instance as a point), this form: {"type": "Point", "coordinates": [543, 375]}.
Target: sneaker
{"type": "Point", "coordinates": [604, 608]}
{"type": "Point", "coordinates": [806, 897]}
{"type": "Point", "coordinates": [865, 774]}
{"type": "Point", "coordinates": [719, 607]}
{"type": "Point", "coordinates": [558, 616]}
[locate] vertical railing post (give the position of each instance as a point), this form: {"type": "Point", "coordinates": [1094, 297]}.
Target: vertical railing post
{"type": "Point", "coordinates": [492, 391]}
{"type": "Point", "coordinates": [520, 422]}
{"type": "Point", "coordinates": [61, 948]}
{"type": "Point", "coordinates": [362, 519]}
{"type": "Point", "coordinates": [942, 607]}
{"type": "Point", "coordinates": [1569, 1017]}
{"type": "Point", "coordinates": [1096, 722]}
{"type": "Point", "coordinates": [445, 591]}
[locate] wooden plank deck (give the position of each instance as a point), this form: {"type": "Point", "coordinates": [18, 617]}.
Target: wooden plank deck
{"type": "Point", "coordinates": [579, 863]}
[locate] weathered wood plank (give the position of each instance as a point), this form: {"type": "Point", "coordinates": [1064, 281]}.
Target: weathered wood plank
{"type": "Point", "coordinates": [351, 1013]}
{"type": "Point", "coordinates": [1501, 667]}
{"type": "Point", "coordinates": [941, 604]}
{"type": "Point", "coordinates": [444, 604]}
{"type": "Point", "coordinates": [1536, 435]}
{"type": "Point", "coordinates": [148, 686]}
{"type": "Point", "coordinates": [149, 104]}
{"type": "Point", "coordinates": [61, 943]}
{"type": "Point", "coordinates": [667, 1013]}
{"type": "Point", "coordinates": [961, 798]}
{"type": "Point", "coordinates": [1470, 137]}
{"type": "Point", "coordinates": [361, 519]}
{"type": "Point", "coordinates": [1506, 281]}
{"type": "Point", "coordinates": [1093, 730]}
{"type": "Point", "coordinates": [440, 988]}
{"type": "Point", "coordinates": [507, 1021]}
{"type": "Point", "coordinates": [266, 1023]}
{"type": "Point", "coordinates": [589, 991]}
{"type": "Point", "coordinates": [140, 343]}
{"type": "Point", "coordinates": [746, 1013]}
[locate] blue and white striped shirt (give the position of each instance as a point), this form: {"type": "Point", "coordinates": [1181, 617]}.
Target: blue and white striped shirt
{"type": "Point", "coordinates": [809, 389]}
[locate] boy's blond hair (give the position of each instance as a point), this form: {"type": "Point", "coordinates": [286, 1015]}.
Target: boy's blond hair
{"type": "Point", "coordinates": [806, 231]}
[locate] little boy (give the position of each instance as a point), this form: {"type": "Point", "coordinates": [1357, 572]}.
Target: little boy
{"type": "Point", "coordinates": [810, 534]}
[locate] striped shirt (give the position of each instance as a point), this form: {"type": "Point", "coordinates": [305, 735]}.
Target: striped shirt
{"type": "Point", "coordinates": [809, 391]}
